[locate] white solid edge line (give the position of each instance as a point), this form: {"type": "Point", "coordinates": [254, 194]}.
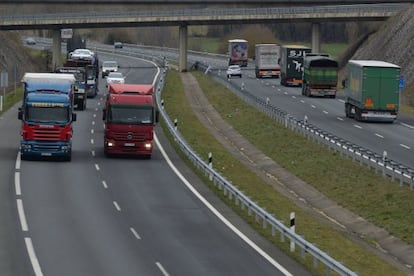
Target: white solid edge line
{"type": "Point", "coordinates": [17, 183]}
{"type": "Point", "coordinates": [220, 216]}
{"type": "Point", "coordinates": [22, 216]}
{"type": "Point", "coordinates": [18, 161]}
{"type": "Point", "coordinates": [32, 255]}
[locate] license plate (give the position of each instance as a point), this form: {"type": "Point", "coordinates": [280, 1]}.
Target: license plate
{"type": "Point", "coordinates": [46, 154]}
{"type": "Point", "coordinates": [129, 145]}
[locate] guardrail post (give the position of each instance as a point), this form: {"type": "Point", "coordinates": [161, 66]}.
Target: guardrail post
{"type": "Point", "coordinates": [384, 159]}
{"type": "Point", "coordinates": [210, 164]}
{"type": "Point", "coordinates": [292, 229]}
{"type": "Point", "coordinates": [162, 103]}
{"type": "Point", "coordinates": [175, 123]}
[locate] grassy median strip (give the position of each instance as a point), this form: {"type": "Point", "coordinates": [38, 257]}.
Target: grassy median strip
{"type": "Point", "coordinates": [315, 163]}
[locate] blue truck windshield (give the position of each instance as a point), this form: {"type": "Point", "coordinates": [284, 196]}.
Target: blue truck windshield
{"type": "Point", "coordinates": [129, 114]}
{"type": "Point", "coordinates": [47, 114]}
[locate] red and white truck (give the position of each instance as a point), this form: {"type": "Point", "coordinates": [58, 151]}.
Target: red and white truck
{"type": "Point", "coordinates": [130, 116]}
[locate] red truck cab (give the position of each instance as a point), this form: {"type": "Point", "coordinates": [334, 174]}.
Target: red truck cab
{"type": "Point", "coordinates": [130, 116]}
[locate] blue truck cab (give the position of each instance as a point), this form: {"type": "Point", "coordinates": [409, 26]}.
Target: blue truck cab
{"type": "Point", "coordinates": [47, 116]}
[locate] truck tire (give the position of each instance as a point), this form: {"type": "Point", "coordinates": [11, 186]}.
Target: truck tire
{"type": "Point", "coordinates": [348, 110]}
{"type": "Point", "coordinates": [80, 106]}
{"type": "Point", "coordinates": [358, 114]}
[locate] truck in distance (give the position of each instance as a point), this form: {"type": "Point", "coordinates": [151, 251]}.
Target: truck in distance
{"type": "Point", "coordinates": [80, 84]}
{"type": "Point", "coordinates": [291, 64]}
{"type": "Point", "coordinates": [47, 115]}
{"type": "Point", "coordinates": [372, 90]}
{"type": "Point", "coordinates": [89, 60]}
{"type": "Point", "coordinates": [238, 52]}
{"type": "Point", "coordinates": [130, 116]}
{"type": "Point", "coordinates": [320, 75]}
{"type": "Point", "coordinates": [267, 58]}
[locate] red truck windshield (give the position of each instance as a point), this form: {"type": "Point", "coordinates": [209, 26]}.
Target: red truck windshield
{"type": "Point", "coordinates": [47, 114]}
{"type": "Point", "coordinates": [130, 114]}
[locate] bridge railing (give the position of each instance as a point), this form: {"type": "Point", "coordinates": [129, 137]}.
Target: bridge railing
{"type": "Point", "coordinates": [384, 9]}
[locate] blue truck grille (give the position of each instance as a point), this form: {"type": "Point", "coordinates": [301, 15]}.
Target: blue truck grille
{"type": "Point", "coordinates": [45, 147]}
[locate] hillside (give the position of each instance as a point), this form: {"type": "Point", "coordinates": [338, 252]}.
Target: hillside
{"type": "Point", "coordinates": [394, 42]}
{"type": "Point", "coordinates": [14, 58]}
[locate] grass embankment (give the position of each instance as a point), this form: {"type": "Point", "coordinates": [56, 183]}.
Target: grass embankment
{"type": "Point", "coordinates": [11, 99]}
{"type": "Point", "coordinates": [351, 185]}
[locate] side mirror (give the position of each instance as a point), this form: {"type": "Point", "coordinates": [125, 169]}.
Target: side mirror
{"type": "Point", "coordinates": [20, 114]}
{"type": "Point", "coordinates": [157, 116]}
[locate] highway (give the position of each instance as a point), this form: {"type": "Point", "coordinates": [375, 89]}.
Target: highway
{"type": "Point", "coordinates": [119, 216]}
{"type": "Point", "coordinates": [396, 139]}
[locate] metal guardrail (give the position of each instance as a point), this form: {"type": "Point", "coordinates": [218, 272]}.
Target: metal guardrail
{"type": "Point", "coordinates": [229, 190]}
{"type": "Point", "coordinates": [379, 162]}
{"type": "Point", "coordinates": [245, 203]}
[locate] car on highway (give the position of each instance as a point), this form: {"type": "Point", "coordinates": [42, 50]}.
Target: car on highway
{"type": "Point", "coordinates": [81, 54]}
{"type": "Point", "coordinates": [118, 45]}
{"type": "Point", "coordinates": [109, 66]}
{"type": "Point", "coordinates": [30, 41]}
{"type": "Point", "coordinates": [115, 77]}
{"type": "Point", "coordinates": [234, 70]}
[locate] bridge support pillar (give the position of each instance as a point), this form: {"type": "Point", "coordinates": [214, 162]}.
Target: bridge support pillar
{"type": "Point", "coordinates": [182, 64]}
{"type": "Point", "coordinates": [316, 37]}
{"type": "Point", "coordinates": [56, 50]}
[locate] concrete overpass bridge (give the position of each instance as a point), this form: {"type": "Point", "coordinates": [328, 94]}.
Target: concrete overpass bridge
{"type": "Point", "coordinates": [183, 18]}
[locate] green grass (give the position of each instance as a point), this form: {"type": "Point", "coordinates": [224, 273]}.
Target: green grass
{"type": "Point", "coordinates": [334, 49]}
{"type": "Point", "coordinates": [11, 99]}
{"type": "Point", "coordinates": [290, 150]}
{"type": "Point", "coordinates": [210, 45]}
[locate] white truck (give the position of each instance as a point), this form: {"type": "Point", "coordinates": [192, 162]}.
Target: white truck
{"type": "Point", "coordinates": [238, 51]}
{"type": "Point", "coordinates": [267, 58]}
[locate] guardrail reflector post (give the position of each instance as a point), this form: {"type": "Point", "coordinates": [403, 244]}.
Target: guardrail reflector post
{"type": "Point", "coordinates": [210, 164]}
{"type": "Point", "coordinates": [292, 229]}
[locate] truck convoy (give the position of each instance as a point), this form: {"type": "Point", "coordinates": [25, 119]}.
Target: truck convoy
{"type": "Point", "coordinates": [320, 75]}
{"type": "Point", "coordinates": [372, 92]}
{"type": "Point", "coordinates": [130, 116]}
{"type": "Point", "coordinates": [267, 60]}
{"type": "Point", "coordinates": [238, 52]}
{"type": "Point", "coordinates": [80, 84]}
{"type": "Point", "coordinates": [47, 115]}
{"type": "Point", "coordinates": [291, 64]}
{"type": "Point", "coordinates": [89, 60]}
